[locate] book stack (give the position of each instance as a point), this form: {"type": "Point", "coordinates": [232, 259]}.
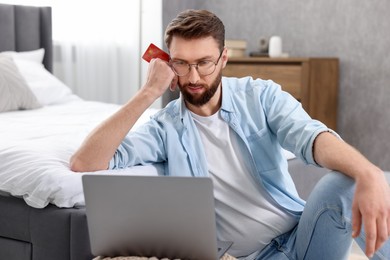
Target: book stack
{"type": "Point", "coordinates": [236, 48]}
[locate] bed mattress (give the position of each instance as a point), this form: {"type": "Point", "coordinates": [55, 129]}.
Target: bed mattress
{"type": "Point", "coordinates": [36, 147]}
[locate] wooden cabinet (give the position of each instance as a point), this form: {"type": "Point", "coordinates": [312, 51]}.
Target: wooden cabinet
{"type": "Point", "coordinates": [312, 81]}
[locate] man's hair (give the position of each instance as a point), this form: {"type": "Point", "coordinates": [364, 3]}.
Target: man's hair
{"type": "Point", "coordinates": [196, 24]}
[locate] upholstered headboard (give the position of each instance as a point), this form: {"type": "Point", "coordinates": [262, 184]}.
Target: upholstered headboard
{"type": "Point", "coordinates": [26, 28]}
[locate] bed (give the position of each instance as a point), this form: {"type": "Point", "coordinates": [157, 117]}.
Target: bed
{"type": "Point", "coordinates": [27, 232]}
{"type": "Point", "coordinates": [41, 201]}
{"type": "Point", "coordinates": [42, 212]}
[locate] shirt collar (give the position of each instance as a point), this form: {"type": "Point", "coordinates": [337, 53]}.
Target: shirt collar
{"type": "Point", "coordinates": [227, 103]}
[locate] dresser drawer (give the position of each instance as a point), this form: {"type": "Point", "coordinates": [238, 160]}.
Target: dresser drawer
{"type": "Point", "coordinates": [312, 81]}
{"type": "Point", "coordinates": [288, 76]}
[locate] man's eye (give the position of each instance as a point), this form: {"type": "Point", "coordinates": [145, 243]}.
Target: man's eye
{"type": "Point", "coordinates": [179, 63]}
{"type": "Point", "coordinates": [204, 63]}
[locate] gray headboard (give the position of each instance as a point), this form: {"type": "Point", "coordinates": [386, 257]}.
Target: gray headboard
{"type": "Point", "coordinates": [26, 28]}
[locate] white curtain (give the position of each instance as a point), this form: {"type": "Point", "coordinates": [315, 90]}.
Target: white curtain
{"type": "Point", "coordinates": [98, 44]}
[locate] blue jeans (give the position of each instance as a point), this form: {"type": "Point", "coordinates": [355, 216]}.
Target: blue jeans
{"type": "Point", "coordinates": [325, 228]}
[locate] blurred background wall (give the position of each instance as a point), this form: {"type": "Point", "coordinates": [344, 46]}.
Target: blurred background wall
{"type": "Point", "coordinates": [356, 32]}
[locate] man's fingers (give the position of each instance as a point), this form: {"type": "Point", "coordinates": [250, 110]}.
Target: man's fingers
{"type": "Point", "coordinates": [370, 227]}
{"type": "Point", "coordinates": [382, 232]}
{"type": "Point", "coordinates": [356, 221]}
{"type": "Point", "coordinates": [388, 227]}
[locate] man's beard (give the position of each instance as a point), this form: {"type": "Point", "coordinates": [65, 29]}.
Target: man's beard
{"type": "Point", "coordinates": [206, 96]}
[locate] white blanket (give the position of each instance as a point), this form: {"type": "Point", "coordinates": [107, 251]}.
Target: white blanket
{"type": "Point", "coordinates": [36, 145]}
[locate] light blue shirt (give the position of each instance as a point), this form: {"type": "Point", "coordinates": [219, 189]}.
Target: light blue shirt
{"type": "Point", "coordinates": [264, 117]}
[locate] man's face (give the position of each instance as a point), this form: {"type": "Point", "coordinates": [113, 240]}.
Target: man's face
{"type": "Point", "coordinates": [198, 89]}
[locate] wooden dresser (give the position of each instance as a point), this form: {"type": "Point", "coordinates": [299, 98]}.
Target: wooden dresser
{"type": "Point", "coordinates": [312, 81]}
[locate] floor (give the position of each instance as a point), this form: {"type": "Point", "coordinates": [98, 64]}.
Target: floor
{"type": "Point", "coordinates": [357, 253]}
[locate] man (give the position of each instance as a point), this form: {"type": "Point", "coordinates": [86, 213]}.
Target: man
{"type": "Point", "coordinates": [233, 130]}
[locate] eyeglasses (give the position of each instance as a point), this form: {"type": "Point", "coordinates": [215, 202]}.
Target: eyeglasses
{"type": "Point", "coordinates": [204, 67]}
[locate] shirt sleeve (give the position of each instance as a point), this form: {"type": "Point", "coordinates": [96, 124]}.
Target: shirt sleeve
{"type": "Point", "coordinates": [296, 131]}
{"type": "Point", "coordinates": [140, 147]}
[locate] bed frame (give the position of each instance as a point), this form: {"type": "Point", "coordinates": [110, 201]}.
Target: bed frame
{"type": "Point", "coordinates": [28, 233]}
{"type": "Point", "coordinates": [26, 28]}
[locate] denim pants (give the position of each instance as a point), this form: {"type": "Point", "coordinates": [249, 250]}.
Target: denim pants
{"type": "Point", "coordinates": [324, 230]}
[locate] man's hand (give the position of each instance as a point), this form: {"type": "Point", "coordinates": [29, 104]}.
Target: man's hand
{"type": "Point", "coordinates": [371, 207]}
{"type": "Point", "coordinates": [160, 77]}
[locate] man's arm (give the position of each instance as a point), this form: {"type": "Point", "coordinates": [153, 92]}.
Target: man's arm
{"type": "Point", "coordinates": [100, 145]}
{"type": "Point", "coordinates": [371, 205]}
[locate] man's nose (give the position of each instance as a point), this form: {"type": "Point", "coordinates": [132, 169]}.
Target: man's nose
{"type": "Point", "coordinates": [193, 76]}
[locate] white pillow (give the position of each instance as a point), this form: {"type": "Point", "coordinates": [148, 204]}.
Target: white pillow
{"type": "Point", "coordinates": [14, 91]}
{"type": "Point", "coordinates": [46, 87]}
{"type": "Point", "coordinates": [35, 55]}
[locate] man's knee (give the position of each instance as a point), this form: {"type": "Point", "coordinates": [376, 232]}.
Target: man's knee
{"type": "Point", "coordinates": [334, 188]}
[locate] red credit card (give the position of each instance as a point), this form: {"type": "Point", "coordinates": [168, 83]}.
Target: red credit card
{"type": "Point", "coordinates": [155, 52]}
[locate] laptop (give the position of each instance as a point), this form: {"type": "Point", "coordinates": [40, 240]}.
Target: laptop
{"type": "Point", "coordinates": [161, 216]}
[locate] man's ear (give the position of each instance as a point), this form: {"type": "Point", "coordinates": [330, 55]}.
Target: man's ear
{"type": "Point", "coordinates": [224, 57]}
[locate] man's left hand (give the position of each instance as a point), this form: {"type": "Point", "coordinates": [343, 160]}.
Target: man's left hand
{"type": "Point", "coordinates": [371, 207]}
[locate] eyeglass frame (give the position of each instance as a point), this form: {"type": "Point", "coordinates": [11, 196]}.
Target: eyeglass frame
{"type": "Point", "coordinates": [190, 65]}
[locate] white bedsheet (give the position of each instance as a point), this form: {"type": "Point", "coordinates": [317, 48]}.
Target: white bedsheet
{"type": "Point", "coordinates": [35, 147]}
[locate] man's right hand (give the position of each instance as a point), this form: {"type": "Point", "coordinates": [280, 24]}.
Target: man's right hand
{"type": "Point", "coordinates": [160, 77]}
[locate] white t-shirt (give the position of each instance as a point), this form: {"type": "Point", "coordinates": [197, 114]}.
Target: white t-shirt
{"type": "Point", "coordinates": [245, 212]}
